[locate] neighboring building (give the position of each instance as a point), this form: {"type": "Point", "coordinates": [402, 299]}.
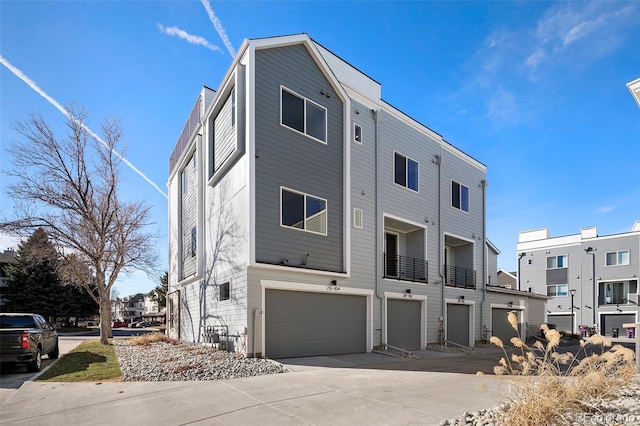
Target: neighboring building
{"type": "Point", "coordinates": [307, 216]}
{"type": "Point", "coordinates": [603, 271]}
{"type": "Point", "coordinates": [133, 308]}
{"type": "Point", "coordinates": [634, 88]}
{"type": "Point", "coordinates": [5, 258]}
{"type": "Point", "coordinates": [507, 279]}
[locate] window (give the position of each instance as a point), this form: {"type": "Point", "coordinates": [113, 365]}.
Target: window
{"type": "Point", "coordinates": [558, 290]}
{"type": "Point", "coordinates": [357, 218]}
{"type": "Point", "coordinates": [304, 212]}
{"type": "Point", "coordinates": [225, 291]}
{"type": "Point", "coordinates": [405, 171]}
{"type": "Point", "coordinates": [557, 262]}
{"type": "Point", "coordinates": [459, 196]}
{"type": "Point", "coordinates": [617, 258]}
{"type": "Point", "coordinates": [357, 133]}
{"type": "Point", "coordinates": [303, 115]}
{"type": "Point", "coordinates": [194, 244]}
{"type": "Point", "coordinates": [233, 107]}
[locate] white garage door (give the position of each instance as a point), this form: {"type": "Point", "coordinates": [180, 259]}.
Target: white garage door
{"type": "Point", "coordinates": [307, 324]}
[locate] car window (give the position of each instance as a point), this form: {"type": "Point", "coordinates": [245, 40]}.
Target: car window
{"type": "Point", "coordinates": [18, 321]}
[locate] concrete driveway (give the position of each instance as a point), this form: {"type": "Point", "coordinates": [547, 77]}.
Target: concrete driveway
{"type": "Point", "coordinates": [337, 390]}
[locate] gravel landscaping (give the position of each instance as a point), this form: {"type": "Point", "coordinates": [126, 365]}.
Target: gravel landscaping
{"type": "Point", "coordinates": [162, 361]}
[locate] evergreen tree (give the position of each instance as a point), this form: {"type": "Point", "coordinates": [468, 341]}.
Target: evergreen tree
{"type": "Point", "coordinates": [33, 283]}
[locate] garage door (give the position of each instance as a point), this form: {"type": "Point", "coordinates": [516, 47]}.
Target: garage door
{"type": "Point", "coordinates": [610, 321]}
{"type": "Point", "coordinates": [404, 323]}
{"type": "Point", "coordinates": [307, 324]}
{"type": "Point", "coordinates": [500, 326]}
{"type": "Point", "coordinates": [458, 324]}
{"type": "Point", "coordinates": [562, 322]}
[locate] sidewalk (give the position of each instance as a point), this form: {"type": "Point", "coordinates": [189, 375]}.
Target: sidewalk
{"type": "Point", "coordinates": [337, 390]}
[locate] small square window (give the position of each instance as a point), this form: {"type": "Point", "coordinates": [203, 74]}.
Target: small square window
{"type": "Point", "coordinates": [357, 133]}
{"type": "Point", "coordinates": [225, 291]}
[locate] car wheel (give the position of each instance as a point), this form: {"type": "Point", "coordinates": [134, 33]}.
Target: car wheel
{"type": "Point", "coordinates": [35, 365]}
{"type": "Point", "coordinates": [55, 353]}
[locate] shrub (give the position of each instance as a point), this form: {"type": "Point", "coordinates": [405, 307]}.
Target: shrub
{"type": "Point", "coordinates": [558, 383]}
{"type": "Point", "coordinates": [147, 339]}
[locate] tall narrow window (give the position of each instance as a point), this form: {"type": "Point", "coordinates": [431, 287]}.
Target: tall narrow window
{"type": "Point", "coordinates": [233, 107]}
{"type": "Point", "coordinates": [225, 291]}
{"type": "Point", "coordinates": [357, 133]}
{"type": "Point", "coordinates": [459, 196]}
{"type": "Point", "coordinates": [406, 171]}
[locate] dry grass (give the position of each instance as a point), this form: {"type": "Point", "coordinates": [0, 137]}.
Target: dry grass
{"type": "Point", "coordinates": [558, 383]}
{"type": "Point", "coordinates": [147, 339]}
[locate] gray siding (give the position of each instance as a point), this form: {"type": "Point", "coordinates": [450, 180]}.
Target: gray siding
{"type": "Point", "coordinates": [224, 135]}
{"type": "Point", "coordinates": [188, 215]}
{"type": "Point", "coordinates": [285, 158]}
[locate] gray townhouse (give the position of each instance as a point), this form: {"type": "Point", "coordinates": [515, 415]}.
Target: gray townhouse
{"type": "Point", "coordinates": [598, 272]}
{"type": "Point", "coordinates": [307, 216]}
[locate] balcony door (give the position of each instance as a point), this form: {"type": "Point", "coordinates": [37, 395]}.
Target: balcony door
{"type": "Point", "coordinates": [391, 250]}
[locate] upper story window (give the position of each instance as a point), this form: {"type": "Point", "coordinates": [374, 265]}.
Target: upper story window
{"type": "Point", "coordinates": [303, 211]}
{"type": "Point", "coordinates": [459, 196]}
{"type": "Point", "coordinates": [357, 133]}
{"type": "Point", "coordinates": [303, 115]}
{"type": "Point", "coordinates": [557, 262]}
{"type": "Point", "coordinates": [405, 171]}
{"type": "Point", "coordinates": [557, 290]}
{"type": "Point", "coordinates": [618, 258]}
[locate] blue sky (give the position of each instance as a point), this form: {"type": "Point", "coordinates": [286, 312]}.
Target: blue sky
{"type": "Point", "coordinates": [534, 90]}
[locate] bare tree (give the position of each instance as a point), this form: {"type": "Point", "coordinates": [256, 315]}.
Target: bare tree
{"type": "Point", "coordinates": [69, 186]}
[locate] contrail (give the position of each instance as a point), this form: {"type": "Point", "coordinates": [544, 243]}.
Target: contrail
{"type": "Point", "coordinates": [218, 26]}
{"type": "Point", "coordinates": [67, 114]}
{"type": "Point", "coordinates": [193, 39]}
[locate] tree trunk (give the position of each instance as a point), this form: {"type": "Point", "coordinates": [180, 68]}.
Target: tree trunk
{"type": "Point", "coordinates": [105, 320]}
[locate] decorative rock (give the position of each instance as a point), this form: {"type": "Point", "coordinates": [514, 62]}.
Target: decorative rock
{"type": "Point", "coordinates": [163, 361]}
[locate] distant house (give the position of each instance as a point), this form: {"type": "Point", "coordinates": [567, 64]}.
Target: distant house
{"type": "Point", "coordinates": [136, 307]}
{"type": "Point", "coordinates": [307, 216]}
{"type": "Point", "coordinates": [601, 271]}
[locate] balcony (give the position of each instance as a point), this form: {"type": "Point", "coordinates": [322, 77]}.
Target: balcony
{"type": "Point", "coordinates": [458, 277]}
{"type": "Point", "coordinates": [405, 268]}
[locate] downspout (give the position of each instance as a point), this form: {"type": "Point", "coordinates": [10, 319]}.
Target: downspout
{"type": "Point", "coordinates": [438, 162]}
{"type": "Point", "coordinates": [377, 118]}
{"type": "Point", "coordinates": [255, 311]}
{"type": "Point", "coordinates": [485, 260]}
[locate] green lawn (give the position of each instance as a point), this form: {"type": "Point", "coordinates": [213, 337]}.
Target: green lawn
{"type": "Point", "coordinates": [89, 361]}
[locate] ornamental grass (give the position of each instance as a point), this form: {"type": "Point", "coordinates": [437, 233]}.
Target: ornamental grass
{"type": "Point", "coordinates": [548, 383]}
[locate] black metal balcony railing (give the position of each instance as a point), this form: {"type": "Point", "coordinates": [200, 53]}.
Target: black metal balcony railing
{"type": "Point", "coordinates": [458, 277]}
{"type": "Point", "coordinates": [405, 268]}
